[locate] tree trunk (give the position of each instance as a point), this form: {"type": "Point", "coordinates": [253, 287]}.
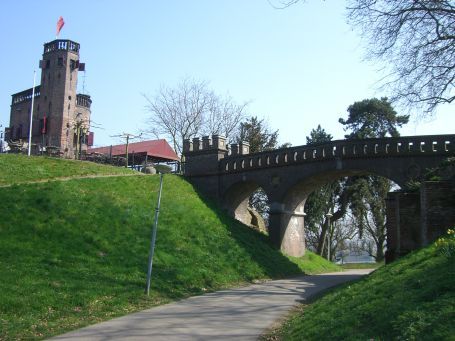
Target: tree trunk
{"type": "Point", "coordinates": [322, 239]}
{"type": "Point", "coordinates": [380, 249]}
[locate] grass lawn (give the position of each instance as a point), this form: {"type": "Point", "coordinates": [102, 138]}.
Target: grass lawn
{"type": "Point", "coordinates": [361, 265]}
{"type": "Point", "coordinates": [75, 253]}
{"type": "Point", "coordinates": [410, 299]}
{"type": "Point", "coordinates": [312, 263]}
{"type": "Point", "coordinates": [17, 168]}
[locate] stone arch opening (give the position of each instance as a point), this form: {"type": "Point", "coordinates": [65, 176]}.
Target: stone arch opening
{"type": "Point", "coordinates": [288, 223]}
{"type": "Point", "coordinates": [247, 202]}
{"type": "Point", "coordinates": [295, 197]}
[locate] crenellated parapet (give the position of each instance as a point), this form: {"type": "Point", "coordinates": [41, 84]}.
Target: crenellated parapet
{"type": "Point", "coordinates": [242, 148]}
{"type": "Point", "coordinates": [206, 145]}
{"type": "Point", "coordinates": [338, 150]}
{"type": "Point", "coordinates": [83, 100]}
{"type": "Point", "coordinates": [26, 95]}
{"type": "Point", "coordinates": [61, 44]}
{"type": "Point", "coordinates": [202, 155]}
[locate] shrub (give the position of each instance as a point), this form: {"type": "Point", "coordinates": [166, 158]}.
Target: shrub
{"type": "Point", "coordinates": [446, 244]}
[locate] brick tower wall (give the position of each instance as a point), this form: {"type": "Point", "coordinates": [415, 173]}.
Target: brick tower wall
{"type": "Point", "coordinates": [58, 92]}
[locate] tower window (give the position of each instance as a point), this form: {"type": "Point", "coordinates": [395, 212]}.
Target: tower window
{"type": "Point", "coordinates": [60, 61]}
{"type": "Point", "coordinates": [62, 45]}
{"type": "Point", "coordinates": [48, 64]}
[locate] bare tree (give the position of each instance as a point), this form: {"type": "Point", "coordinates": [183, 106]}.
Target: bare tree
{"type": "Point", "coordinates": [177, 113]}
{"type": "Point", "coordinates": [224, 117]}
{"type": "Point", "coordinates": [416, 41]}
{"type": "Point", "coordinates": [341, 233]}
{"type": "Point", "coordinates": [282, 4]}
{"type": "Point", "coordinates": [189, 109]}
{"type": "Point", "coordinates": [416, 38]}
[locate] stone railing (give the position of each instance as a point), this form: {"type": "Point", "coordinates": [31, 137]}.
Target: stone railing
{"type": "Point", "coordinates": [26, 95]}
{"type": "Point", "coordinates": [342, 149]}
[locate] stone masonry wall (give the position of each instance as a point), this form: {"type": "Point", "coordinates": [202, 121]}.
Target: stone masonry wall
{"type": "Point", "coordinates": [403, 224]}
{"type": "Point", "coordinates": [437, 199]}
{"type": "Point", "coordinates": [417, 219]}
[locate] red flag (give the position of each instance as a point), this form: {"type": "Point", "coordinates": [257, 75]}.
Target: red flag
{"type": "Point", "coordinates": [60, 24]}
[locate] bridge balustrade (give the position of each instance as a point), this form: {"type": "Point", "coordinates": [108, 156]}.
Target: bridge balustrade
{"type": "Point", "coordinates": [400, 146]}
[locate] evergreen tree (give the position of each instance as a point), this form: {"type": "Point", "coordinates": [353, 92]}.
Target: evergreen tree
{"type": "Point", "coordinates": [257, 133]}
{"type": "Point", "coordinates": [371, 118]}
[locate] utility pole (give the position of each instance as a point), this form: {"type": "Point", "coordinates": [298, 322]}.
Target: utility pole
{"type": "Point", "coordinates": [127, 137]}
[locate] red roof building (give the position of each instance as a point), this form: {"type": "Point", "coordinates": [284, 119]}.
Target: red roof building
{"type": "Point", "coordinates": [154, 150]}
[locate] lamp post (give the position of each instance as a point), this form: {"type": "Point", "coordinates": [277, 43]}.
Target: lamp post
{"type": "Point", "coordinates": [328, 216]}
{"type": "Point", "coordinates": [154, 228]}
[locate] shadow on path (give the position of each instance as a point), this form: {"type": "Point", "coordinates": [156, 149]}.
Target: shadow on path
{"type": "Point", "coordinates": [241, 313]}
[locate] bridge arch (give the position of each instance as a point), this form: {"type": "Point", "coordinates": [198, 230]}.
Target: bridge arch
{"type": "Point", "coordinates": [303, 186]}
{"type": "Point", "coordinates": [287, 223]}
{"type": "Point", "coordinates": [236, 199]}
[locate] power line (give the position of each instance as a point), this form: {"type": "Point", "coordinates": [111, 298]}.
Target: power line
{"type": "Point", "coordinates": [127, 137]}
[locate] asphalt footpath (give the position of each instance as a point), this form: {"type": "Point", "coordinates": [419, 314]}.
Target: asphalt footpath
{"type": "Point", "coordinates": [236, 314]}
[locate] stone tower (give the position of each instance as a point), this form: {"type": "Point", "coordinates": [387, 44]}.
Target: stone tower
{"type": "Point", "coordinates": [61, 117]}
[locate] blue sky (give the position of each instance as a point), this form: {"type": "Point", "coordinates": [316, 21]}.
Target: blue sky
{"type": "Point", "coordinates": [299, 67]}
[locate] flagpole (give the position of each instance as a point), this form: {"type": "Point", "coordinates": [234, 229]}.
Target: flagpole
{"type": "Point", "coordinates": [31, 115]}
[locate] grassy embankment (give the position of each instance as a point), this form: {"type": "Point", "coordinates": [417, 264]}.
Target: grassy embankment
{"type": "Point", "coordinates": [410, 299]}
{"type": "Point", "coordinates": [16, 169]}
{"type": "Point", "coordinates": [75, 253]}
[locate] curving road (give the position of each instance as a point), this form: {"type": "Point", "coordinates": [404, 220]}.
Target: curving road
{"type": "Point", "coordinates": [235, 314]}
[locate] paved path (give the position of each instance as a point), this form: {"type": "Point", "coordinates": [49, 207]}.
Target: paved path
{"type": "Point", "coordinates": [236, 314]}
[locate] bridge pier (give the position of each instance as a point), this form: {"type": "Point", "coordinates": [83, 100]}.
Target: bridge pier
{"type": "Point", "coordinates": [286, 229]}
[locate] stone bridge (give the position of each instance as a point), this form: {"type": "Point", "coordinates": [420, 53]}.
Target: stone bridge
{"type": "Point", "coordinates": [289, 175]}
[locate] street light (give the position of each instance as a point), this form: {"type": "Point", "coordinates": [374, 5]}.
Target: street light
{"type": "Point", "coordinates": [328, 216]}
{"type": "Point", "coordinates": [161, 171]}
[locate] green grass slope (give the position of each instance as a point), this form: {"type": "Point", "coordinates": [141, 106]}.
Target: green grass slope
{"type": "Point", "coordinates": [74, 253]}
{"type": "Point", "coordinates": [410, 299]}
{"type": "Point", "coordinates": [15, 168]}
